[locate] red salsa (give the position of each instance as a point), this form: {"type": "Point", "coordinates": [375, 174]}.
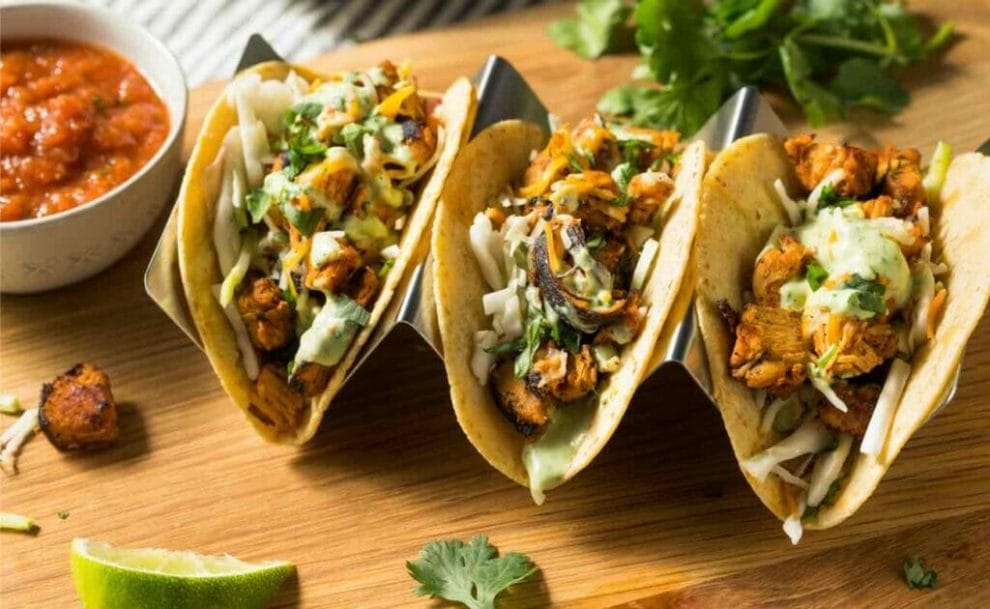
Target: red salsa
{"type": "Point", "coordinates": [76, 120]}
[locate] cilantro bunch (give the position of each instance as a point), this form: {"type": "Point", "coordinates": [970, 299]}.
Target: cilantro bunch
{"type": "Point", "coordinates": [830, 55]}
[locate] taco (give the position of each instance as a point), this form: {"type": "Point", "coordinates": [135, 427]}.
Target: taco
{"type": "Point", "coordinates": [837, 287]}
{"type": "Point", "coordinates": [554, 270]}
{"type": "Point", "coordinates": [300, 208]}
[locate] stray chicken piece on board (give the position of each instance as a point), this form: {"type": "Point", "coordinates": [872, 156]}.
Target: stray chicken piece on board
{"type": "Point", "coordinates": [77, 409]}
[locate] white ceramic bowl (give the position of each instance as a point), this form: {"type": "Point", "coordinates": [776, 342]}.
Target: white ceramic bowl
{"type": "Point", "coordinates": [45, 253]}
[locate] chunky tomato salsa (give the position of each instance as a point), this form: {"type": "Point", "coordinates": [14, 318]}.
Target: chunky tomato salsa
{"type": "Point", "coordinates": [75, 121]}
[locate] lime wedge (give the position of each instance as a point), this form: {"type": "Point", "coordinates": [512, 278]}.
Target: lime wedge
{"type": "Point", "coordinates": [112, 578]}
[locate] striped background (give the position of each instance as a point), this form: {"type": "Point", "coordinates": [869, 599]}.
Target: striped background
{"type": "Point", "coordinates": [208, 35]}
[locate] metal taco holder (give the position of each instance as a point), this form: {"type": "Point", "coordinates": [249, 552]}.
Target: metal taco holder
{"type": "Point", "coordinates": [411, 317]}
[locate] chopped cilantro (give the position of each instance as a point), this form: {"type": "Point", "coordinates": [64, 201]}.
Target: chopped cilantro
{"type": "Point", "coordinates": [258, 203]}
{"type": "Point", "coordinates": [633, 149]}
{"type": "Point", "coordinates": [510, 346]}
{"type": "Point", "coordinates": [917, 576]}
{"type": "Point", "coordinates": [472, 574]}
{"type": "Point", "coordinates": [304, 221]}
{"type": "Point", "coordinates": [868, 294]}
{"type": "Point", "coordinates": [574, 163]}
{"type": "Point", "coordinates": [595, 243]}
{"type": "Point", "coordinates": [829, 198]}
{"type": "Point", "coordinates": [299, 123]}
{"type": "Point", "coordinates": [566, 336]}
{"type": "Point", "coordinates": [536, 329]}
{"type": "Point", "coordinates": [816, 275]}
{"type": "Point", "coordinates": [63, 515]}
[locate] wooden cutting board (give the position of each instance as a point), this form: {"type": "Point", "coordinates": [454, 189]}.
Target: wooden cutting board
{"type": "Point", "coordinates": [661, 519]}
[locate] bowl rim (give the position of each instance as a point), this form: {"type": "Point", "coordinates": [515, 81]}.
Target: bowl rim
{"type": "Point", "coordinates": [177, 123]}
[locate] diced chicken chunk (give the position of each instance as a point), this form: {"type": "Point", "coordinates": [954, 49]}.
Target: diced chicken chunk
{"type": "Point", "coordinates": [363, 286]}
{"type": "Point", "coordinates": [333, 276]}
{"type": "Point", "coordinates": [770, 352]}
{"type": "Point", "coordinates": [269, 318]}
{"type": "Point", "coordinates": [525, 409]}
{"type": "Point", "coordinates": [859, 399]}
{"type": "Point", "coordinates": [422, 141]}
{"type": "Point", "coordinates": [310, 378]}
{"type": "Point", "coordinates": [813, 162]}
{"type": "Point", "coordinates": [776, 267]}
{"type": "Point", "coordinates": [862, 345]}
{"type": "Point", "coordinates": [77, 409]}
{"type": "Point", "coordinates": [647, 192]}
{"type": "Point", "coordinates": [902, 179]}
{"type": "Point", "coordinates": [274, 401]}
{"type": "Point", "coordinates": [565, 376]}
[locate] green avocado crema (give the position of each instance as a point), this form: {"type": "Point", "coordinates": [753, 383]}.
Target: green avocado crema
{"type": "Point", "coordinates": [547, 459]}
{"type": "Point", "coordinates": [327, 338]}
{"type": "Point", "coordinates": [847, 244]}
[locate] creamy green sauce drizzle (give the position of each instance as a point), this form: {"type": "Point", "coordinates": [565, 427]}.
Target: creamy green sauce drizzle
{"type": "Point", "coordinates": [547, 459]}
{"type": "Point", "coordinates": [848, 244]}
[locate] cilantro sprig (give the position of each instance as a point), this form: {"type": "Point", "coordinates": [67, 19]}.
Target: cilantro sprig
{"type": "Point", "coordinates": [472, 574]}
{"type": "Point", "coordinates": [830, 55]}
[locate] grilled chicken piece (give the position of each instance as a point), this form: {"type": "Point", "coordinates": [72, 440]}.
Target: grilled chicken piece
{"type": "Point", "coordinates": [77, 409]}
{"type": "Point", "coordinates": [309, 378]}
{"type": "Point", "coordinates": [269, 318]}
{"type": "Point", "coordinates": [597, 142]}
{"type": "Point", "coordinates": [902, 179]}
{"type": "Point", "coordinates": [776, 267]}
{"type": "Point", "coordinates": [880, 207]}
{"type": "Point", "coordinates": [334, 275]}
{"type": "Point", "coordinates": [813, 162]}
{"type": "Point", "coordinates": [860, 399]}
{"type": "Point", "coordinates": [274, 401]}
{"type": "Point", "coordinates": [647, 192]}
{"type": "Point", "coordinates": [565, 376]}
{"type": "Point", "coordinates": [525, 409]}
{"type": "Point", "coordinates": [862, 345]}
{"type": "Point", "coordinates": [422, 141]}
{"type": "Point", "coordinates": [559, 144]}
{"type": "Point", "coordinates": [770, 352]}
{"type": "Point", "coordinates": [610, 255]}
{"type": "Point", "coordinates": [625, 329]}
{"type": "Point", "coordinates": [336, 185]}
{"type": "Point", "coordinates": [363, 286]}
{"type": "Point", "coordinates": [391, 74]}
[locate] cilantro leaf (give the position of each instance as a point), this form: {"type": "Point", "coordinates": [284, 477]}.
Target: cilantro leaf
{"type": "Point", "coordinates": [595, 242]}
{"type": "Point", "coordinates": [830, 198]}
{"type": "Point", "coordinates": [862, 82]}
{"type": "Point", "coordinates": [683, 107]}
{"type": "Point", "coordinates": [816, 275]}
{"type": "Point", "coordinates": [299, 127]}
{"type": "Point", "coordinates": [599, 27]}
{"type": "Point", "coordinates": [820, 105]}
{"type": "Point", "coordinates": [258, 202]}
{"type": "Point", "coordinates": [917, 576]}
{"type": "Point", "coordinates": [304, 221]}
{"type": "Point", "coordinates": [510, 346]}
{"type": "Point", "coordinates": [868, 294]}
{"type": "Point", "coordinates": [472, 574]}
{"type": "Point", "coordinates": [671, 36]}
{"type": "Point", "coordinates": [536, 330]}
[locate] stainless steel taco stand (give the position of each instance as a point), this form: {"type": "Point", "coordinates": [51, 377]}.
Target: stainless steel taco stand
{"type": "Point", "coordinates": [411, 318]}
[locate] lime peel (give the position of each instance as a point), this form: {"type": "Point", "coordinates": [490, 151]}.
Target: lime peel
{"type": "Point", "coordinates": [15, 522]}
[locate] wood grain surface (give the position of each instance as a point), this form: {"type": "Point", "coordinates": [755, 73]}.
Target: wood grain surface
{"type": "Point", "coordinates": [661, 519]}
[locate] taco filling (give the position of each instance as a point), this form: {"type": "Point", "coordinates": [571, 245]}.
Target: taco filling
{"type": "Point", "coordinates": [840, 301]}
{"type": "Point", "coordinates": [566, 255]}
{"type": "Point", "coordinates": [317, 182]}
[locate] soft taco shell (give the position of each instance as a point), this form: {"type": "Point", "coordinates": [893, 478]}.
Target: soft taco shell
{"type": "Point", "coordinates": [200, 270]}
{"type": "Point", "coordinates": [496, 158]}
{"type": "Point", "coordinates": [739, 209]}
